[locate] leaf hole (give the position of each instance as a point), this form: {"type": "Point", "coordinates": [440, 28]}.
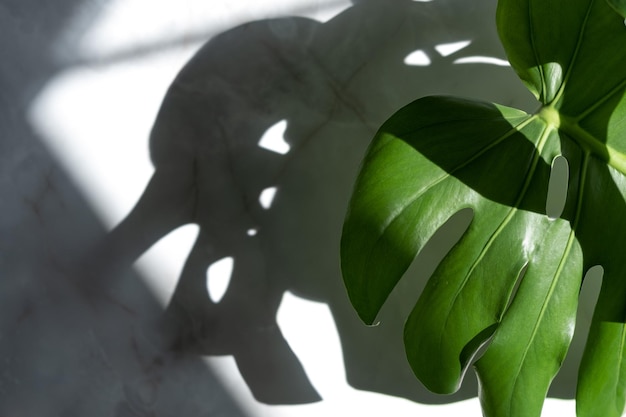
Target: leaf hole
{"type": "Point", "coordinates": [518, 282]}
{"type": "Point", "coordinates": [595, 272]}
{"type": "Point", "coordinates": [444, 239]}
{"type": "Point", "coordinates": [410, 287]}
{"type": "Point", "coordinates": [476, 347]}
{"type": "Point", "coordinates": [588, 299]}
{"type": "Point", "coordinates": [218, 278]}
{"type": "Point", "coordinates": [590, 289]}
{"type": "Point", "coordinates": [562, 386]}
{"type": "Point", "coordinates": [557, 187]}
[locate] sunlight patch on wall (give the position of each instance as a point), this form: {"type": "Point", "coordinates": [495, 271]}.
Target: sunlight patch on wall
{"type": "Point", "coordinates": [417, 58]}
{"type": "Point", "coordinates": [311, 333]}
{"type": "Point", "coordinates": [218, 277]}
{"type": "Point", "coordinates": [301, 322]}
{"type": "Point", "coordinates": [447, 49]}
{"type": "Point", "coordinates": [162, 264]}
{"type": "Point", "coordinates": [184, 23]}
{"type": "Point", "coordinates": [483, 60]}
{"type": "Point", "coordinates": [96, 122]}
{"type": "Point", "coordinates": [274, 138]}
{"type": "Point", "coordinates": [266, 199]}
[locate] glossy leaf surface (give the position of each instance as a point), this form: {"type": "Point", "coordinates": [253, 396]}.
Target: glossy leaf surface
{"type": "Point", "coordinates": [514, 276]}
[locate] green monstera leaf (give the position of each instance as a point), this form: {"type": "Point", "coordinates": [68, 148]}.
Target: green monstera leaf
{"type": "Point", "coordinates": [514, 277]}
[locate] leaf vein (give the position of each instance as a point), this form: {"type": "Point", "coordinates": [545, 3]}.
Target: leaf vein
{"type": "Point", "coordinates": [544, 306]}
{"type": "Point", "coordinates": [478, 154]}
{"type": "Point", "coordinates": [618, 391]}
{"type": "Point", "coordinates": [498, 230]}
{"type": "Point", "coordinates": [579, 42]}
{"type": "Point", "coordinates": [533, 44]}
{"type": "Point", "coordinates": [606, 97]}
{"type": "Point", "coordinates": [395, 216]}
{"type": "Point", "coordinates": [557, 277]}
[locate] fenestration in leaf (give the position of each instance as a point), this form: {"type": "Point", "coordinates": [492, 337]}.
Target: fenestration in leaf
{"type": "Point", "coordinates": [439, 155]}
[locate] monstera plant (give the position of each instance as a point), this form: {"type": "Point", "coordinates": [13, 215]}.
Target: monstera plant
{"type": "Point", "coordinates": [512, 281]}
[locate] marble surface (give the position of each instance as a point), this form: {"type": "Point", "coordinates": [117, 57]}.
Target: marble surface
{"type": "Point", "coordinates": [84, 330]}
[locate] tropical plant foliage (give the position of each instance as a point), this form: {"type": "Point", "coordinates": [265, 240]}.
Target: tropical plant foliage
{"type": "Point", "coordinates": [513, 279]}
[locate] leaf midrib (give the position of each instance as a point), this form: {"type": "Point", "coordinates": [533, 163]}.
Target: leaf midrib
{"type": "Point", "coordinates": [544, 306]}
{"type": "Point", "coordinates": [557, 275]}
{"type": "Point", "coordinates": [619, 364]}
{"type": "Point", "coordinates": [544, 136]}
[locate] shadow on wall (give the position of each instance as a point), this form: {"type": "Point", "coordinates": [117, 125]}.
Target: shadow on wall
{"type": "Point", "coordinates": [62, 354]}
{"type": "Point", "coordinates": [278, 212]}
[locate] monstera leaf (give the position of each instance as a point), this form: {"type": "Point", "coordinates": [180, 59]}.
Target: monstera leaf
{"type": "Point", "coordinates": [514, 277]}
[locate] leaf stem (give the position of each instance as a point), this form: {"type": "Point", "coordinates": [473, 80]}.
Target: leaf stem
{"type": "Point", "coordinates": [592, 144]}
{"type": "Point", "coordinates": [588, 142]}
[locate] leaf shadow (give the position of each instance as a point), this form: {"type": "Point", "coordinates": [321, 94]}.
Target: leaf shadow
{"type": "Point", "coordinates": [334, 84]}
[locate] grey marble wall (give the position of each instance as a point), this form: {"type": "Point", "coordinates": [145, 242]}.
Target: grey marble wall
{"type": "Point", "coordinates": [80, 335]}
